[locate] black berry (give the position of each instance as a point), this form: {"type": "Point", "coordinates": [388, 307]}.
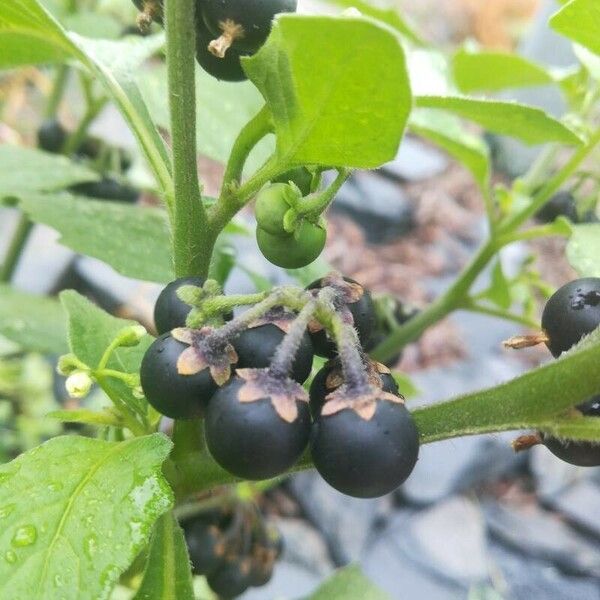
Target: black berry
{"type": "Point", "coordinates": [363, 313]}
{"type": "Point", "coordinates": [106, 189]}
{"type": "Point", "coordinates": [582, 454]}
{"type": "Point", "coordinates": [366, 458]}
{"type": "Point", "coordinates": [256, 346]}
{"type": "Point", "coordinates": [570, 313]}
{"type": "Point", "coordinates": [170, 310]}
{"type": "Point", "coordinates": [249, 438]}
{"type": "Point", "coordinates": [228, 68]}
{"type": "Point", "coordinates": [330, 377]}
{"type": "Point", "coordinates": [51, 136]}
{"type": "Point", "coordinates": [204, 541]}
{"type": "Point", "coordinates": [231, 578]}
{"type": "Point", "coordinates": [170, 393]}
{"type": "Point", "coordinates": [251, 19]}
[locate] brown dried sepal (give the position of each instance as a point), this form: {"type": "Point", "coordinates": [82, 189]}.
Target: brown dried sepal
{"type": "Point", "coordinates": [374, 371]}
{"type": "Point", "coordinates": [526, 341]}
{"type": "Point", "coordinates": [231, 31]}
{"type": "Point", "coordinates": [283, 395]}
{"type": "Point", "coordinates": [202, 354]}
{"type": "Point", "coordinates": [527, 441]}
{"type": "Point", "coordinates": [278, 316]}
{"type": "Point", "coordinates": [364, 405]}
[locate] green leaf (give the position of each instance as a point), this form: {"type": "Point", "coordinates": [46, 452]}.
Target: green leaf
{"type": "Point", "coordinates": [35, 323]}
{"type": "Point", "coordinates": [30, 35]}
{"type": "Point", "coordinates": [91, 330]}
{"type": "Point", "coordinates": [447, 132]}
{"type": "Point", "coordinates": [572, 428]}
{"type": "Point", "coordinates": [579, 20]}
{"type": "Point", "coordinates": [134, 240]}
{"type": "Point", "coordinates": [526, 123]}
{"type": "Point", "coordinates": [75, 512]}
{"type": "Point", "coordinates": [26, 169]}
{"type": "Point", "coordinates": [499, 290]}
{"type": "Point", "coordinates": [583, 249]}
{"type": "Point", "coordinates": [167, 575]}
{"type": "Point", "coordinates": [330, 84]}
{"type": "Point", "coordinates": [222, 109]}
{"type": "Point", "coordinates": [536, 397]}
{"type": "Point", "coordinates": [492, 71]}
{"type": "Point", "coordinates": [349, 583]}
{"type": "Point", "coordinates": [390, 16]}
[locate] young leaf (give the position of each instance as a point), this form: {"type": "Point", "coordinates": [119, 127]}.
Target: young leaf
{"type": "Point", "coordinates": [337, 88]}
{"type": "Point", "coordinates": [526, 123]}
{"type": "Point", "coordinates": [134, 240]}
{"type": "Point", "coordinates": [27, 169]}
{"type": "Point", "coordinates": [75, 513]}
{"type": "Point", "coordinates": [583, 249]}
{"type": "Point", "coordinates": [579, 20]}
{"type": "Point", "coordinates": [167, 575]}
{"type": "Point", "coordinates": [446, 131]}
{"type": "Point", "coordinates": [349, 583]}
{"type": "Point", "coordinates": [492, 71]}
{"type": "Point", "coordinates": [35, 323]}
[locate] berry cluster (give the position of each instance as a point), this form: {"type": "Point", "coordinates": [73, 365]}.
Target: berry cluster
{"type": "Point", "coordinates": [226, 30]}
{"type": "Point", "coordinates": [233, 547]}
{"type": "Point", "coordinates": [572, 312]}
{"type": "Point", "coordinates": [245, 376]}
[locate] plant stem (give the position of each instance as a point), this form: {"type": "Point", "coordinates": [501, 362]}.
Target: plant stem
{"type": "Point", "coordinates": [192, 240]}
{"type": "Point", "coordinates": [441, 307]}
{"type": "Point", "coordinates": [318, 202]}
{"type": "Point", "coordinates": [552, 186]}
{"type": "Point", "coordinates": [17, 244]}
{"type": "Point", "coordinates": [75, 140]}
{"type": "Point", "coordinates": [58, 90]}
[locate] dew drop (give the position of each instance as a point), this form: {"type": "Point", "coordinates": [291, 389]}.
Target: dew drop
{"type": "Point", "coordinates": [10, 557]}
{"type": "Point", "coordinates": [24, 536]}
{"type": "Point", "coordinates": [55, 486]}
{"type": "Point", "coordinates": [58, 581]}
{"type": "Point", "coordinates": [91, 545]}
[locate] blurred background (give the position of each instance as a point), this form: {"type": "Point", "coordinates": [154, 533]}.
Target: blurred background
{"type": "Point", "coordinates": [475, 520]}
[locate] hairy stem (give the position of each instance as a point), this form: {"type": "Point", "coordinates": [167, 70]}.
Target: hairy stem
{"type": "Point", "coordinates": [316, 203]}
{"type": "Point", "coordinates": [15, 249]}
{"type": "Point", "coordinates": [192, 241]}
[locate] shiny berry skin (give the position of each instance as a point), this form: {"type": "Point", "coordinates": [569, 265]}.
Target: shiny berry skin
{"type": "Point", "coordinates": [253, 16]}
{"type": "Point", "coordinates": [271, 207]}
{"type": "Point", "coordinates": [300, 176]}
{"type": "Point", "coordinates": [170, 311]}
{"type": "Point", "coordinates": [366, 458]}
{"type": "Point", "coordinates": [51, 136]}
{"type": "Point", "coordinates": [581, 454]}
{"type": "Point", "coordinates": [203, 537]}
{"type": "Point", "coordinates": [174, 395]}
{"type": "Point", "coordinates": [363, 313]}
{"type": "Point", "coordinates": [250, 439]}
{"type": "Point", "coordinates": [231, 578]}
{"type": "Point", "coordinates": [106, 189]}
{"type": "Point", "coordinates": [256, 346]}
{"type": "Point", "coordinates": [571, 312]}
{"type": "Point", "coordinates": [321, 384]}
{"type": "Point", "coordinates": [294, 250]}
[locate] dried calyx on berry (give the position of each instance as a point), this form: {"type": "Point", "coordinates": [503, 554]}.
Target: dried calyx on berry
{"type": "Point", "coordinates": [181, 370]}
{"type": "Point", "coordinates": [355, 305]}
{"type": "Point", "coordinates": [330, 377]}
